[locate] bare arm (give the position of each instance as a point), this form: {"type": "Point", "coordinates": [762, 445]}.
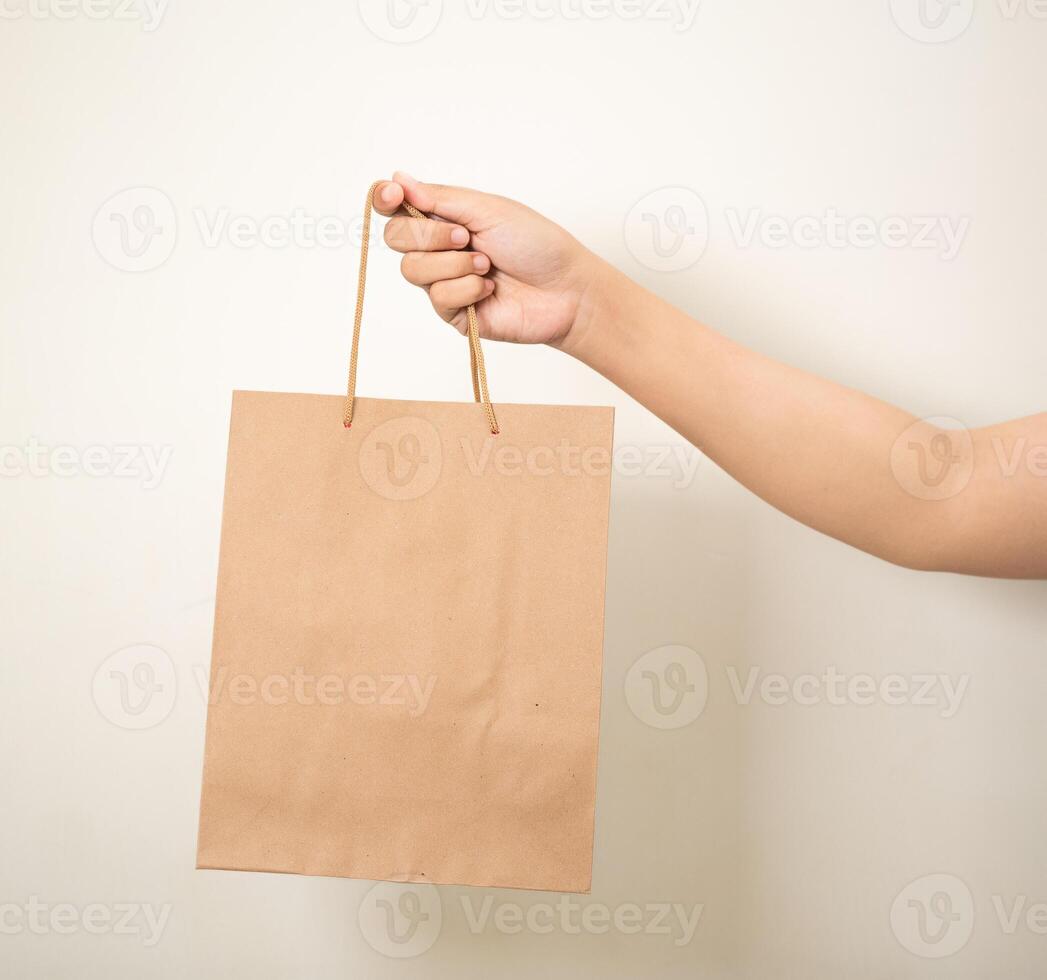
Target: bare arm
{"type": "Point", "coordinates": [841, 462]}
{"type": "Point", "coordinates": [836, 459]}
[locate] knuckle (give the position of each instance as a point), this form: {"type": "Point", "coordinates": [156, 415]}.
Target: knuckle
{"type": "Point", "coordinates": [434, 193]}
{"type": "Point", "coordinates": [441, 236]}
{"type": "Point", "coordinates": [416, 233]}
{"type": "Point", "coordinates": [439, 295]}
{"type": "Point", "coordinates": [420, 235]}
{"type": "Point", "coordinates": [409, 267]}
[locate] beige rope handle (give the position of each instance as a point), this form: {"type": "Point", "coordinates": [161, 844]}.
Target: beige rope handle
{"type": "Point", "coordinates": [476, 354]}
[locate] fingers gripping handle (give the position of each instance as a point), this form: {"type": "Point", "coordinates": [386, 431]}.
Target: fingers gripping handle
{"type": "Point", "coordinates": [476, 356]}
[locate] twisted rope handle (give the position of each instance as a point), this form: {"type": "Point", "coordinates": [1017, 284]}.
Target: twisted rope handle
{"type": "Point", "coordinates": [476, 354]}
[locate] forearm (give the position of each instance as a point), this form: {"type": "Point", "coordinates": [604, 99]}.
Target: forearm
{"type": "Point", "coordinates": [815, 450]}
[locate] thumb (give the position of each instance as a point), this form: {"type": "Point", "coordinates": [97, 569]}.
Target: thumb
{"type": "Point", "coordinates": [459, 204]}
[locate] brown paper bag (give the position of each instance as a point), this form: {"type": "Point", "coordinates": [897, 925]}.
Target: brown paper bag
{"type": "Point", "coordinates": [405, 681]}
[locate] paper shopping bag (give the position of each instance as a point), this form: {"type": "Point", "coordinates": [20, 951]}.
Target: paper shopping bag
{"type": "Point", "coordinates": [405, 680]}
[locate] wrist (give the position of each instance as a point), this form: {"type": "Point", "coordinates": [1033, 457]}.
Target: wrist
{"type": "Point", "coordinates": [601, 290]}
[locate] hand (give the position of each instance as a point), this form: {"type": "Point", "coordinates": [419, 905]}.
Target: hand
{"type": "Point", "coordinates": [527, 276]}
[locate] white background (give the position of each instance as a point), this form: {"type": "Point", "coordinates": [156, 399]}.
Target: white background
{"type": "Point", "coordinates": [797, 827]}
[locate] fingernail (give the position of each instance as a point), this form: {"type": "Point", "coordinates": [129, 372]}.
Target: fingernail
{"type": "Point", "coordinates": [480, 263]}
{"type": "Point", "coordinates": [490, 285]}
{"type": "Point", "coordinates": [388, 194]}
{"type": "Point", "coordinates": [459, 236]}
